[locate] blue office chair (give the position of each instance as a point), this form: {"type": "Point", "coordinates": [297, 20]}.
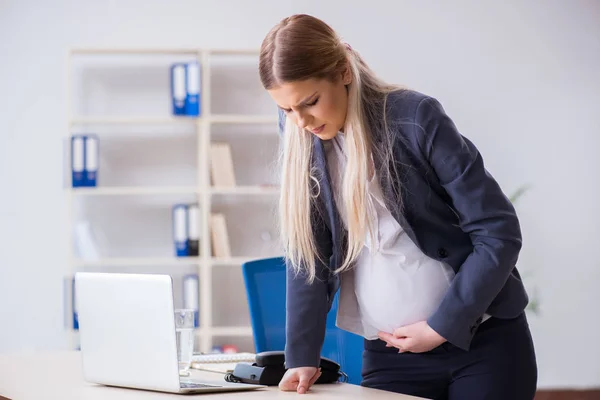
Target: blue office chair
{"type": "Point", "coordinates": [265, 289]}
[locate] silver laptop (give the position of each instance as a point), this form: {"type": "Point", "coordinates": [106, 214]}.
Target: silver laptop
{"type": "Point", "coordinates": [127, 333]}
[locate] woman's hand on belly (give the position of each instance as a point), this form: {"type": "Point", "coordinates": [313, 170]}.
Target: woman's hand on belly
{"type": "Point", "coordinates": [415, 338]}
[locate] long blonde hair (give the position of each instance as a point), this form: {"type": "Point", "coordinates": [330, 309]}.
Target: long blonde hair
{"type": "Point", "coordinates": [302, 47]}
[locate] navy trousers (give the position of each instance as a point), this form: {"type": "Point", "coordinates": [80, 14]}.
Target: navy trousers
{"type": "Point", "coordinates": [500, 364]}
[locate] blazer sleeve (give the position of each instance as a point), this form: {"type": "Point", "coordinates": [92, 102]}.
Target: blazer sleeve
{"type": "Point", "coordinates": [306, 316]}
{"type": "Point", "coordinates": [485, 214]}
{"type": "Point", "coordinates": [306, 304]}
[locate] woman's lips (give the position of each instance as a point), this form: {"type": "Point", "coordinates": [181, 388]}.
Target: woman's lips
{"type": "Point", "coordinates": [318, 130]}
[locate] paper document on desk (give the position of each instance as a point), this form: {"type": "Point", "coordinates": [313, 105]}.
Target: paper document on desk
{"type": "Point", "coordinates": [222, 368]}
{"type": "Point", "coordinates": [222, 363]}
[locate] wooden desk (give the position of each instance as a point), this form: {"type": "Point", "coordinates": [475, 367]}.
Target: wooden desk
{"type": "Point", "coordinates": [58, 376]}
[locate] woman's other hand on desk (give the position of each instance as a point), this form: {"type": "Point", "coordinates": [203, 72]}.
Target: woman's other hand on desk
{"type": "Point", "coordinates": [299, 379]}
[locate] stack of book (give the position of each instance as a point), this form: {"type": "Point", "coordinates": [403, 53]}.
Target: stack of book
{"type": "Point", "coordinates": [186, 235]}
{"type": "Point", "coordinates": [185, 89]}
{"type": "Point", "coordinates": [84, 160]}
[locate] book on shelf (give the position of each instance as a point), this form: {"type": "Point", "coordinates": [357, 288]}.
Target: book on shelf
{"type": "Point", "coordinates": [221, 165]}
{"type": "Point", "coordinates": [192, 81]}
{"type": "Point", "coordinates": [219, 236]}
{"type": "Point", "coordinates": [77, 160]}
{"type": "Point", "coordinates": [85, 242]}
{"type": "Point", "coordinates": [91, 160]}
{"type": "Point", "coordinates": [71, 318]}
{"type": "Point", "coordinates": [193, 215]}
{"type": "Point", "coordinates": [180, 229]}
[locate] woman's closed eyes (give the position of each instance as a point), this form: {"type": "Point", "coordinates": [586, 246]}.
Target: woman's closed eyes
{"type": "Point", "coordinates": [312, 103]}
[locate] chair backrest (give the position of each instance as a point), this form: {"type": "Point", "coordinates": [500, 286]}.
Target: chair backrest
{"type": "Point", "coordinates": [265, 289]}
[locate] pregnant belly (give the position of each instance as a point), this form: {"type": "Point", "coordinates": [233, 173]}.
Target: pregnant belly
{"type": "Point", "coordinates": [391, 296]}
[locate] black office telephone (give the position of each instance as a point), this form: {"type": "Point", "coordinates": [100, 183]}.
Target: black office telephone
{"type": "Point", "coordinates": [269, 367]}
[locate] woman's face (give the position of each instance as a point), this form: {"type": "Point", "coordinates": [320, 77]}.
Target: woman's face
{"type": "Point", "coordinates": [317, 105]}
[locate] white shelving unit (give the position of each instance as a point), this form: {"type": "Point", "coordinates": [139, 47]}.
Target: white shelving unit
{"type": "Point", "coordinates": [201, 190]}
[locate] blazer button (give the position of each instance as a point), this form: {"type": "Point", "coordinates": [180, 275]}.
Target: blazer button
{"type": "Point", "coordinates": [442, 252]}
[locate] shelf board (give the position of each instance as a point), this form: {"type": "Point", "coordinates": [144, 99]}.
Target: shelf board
{"type": "Point", "coordinates": [132, 190]}
{"type": "Point", "coordinates": [231, 261]}
{"type": "Point", "coordinates": [240, 331]}
{"type": "Point", "coordinates": [157, 261]}
{"type": "Point", "coordinates": [245, 190]}
{"type": "Point", "coordinates": [142, 120]}
{"type": "Point", "coordinates": [175, 50]}
{"type": "Point", "coordinates": [224, 52]}
{"type": "Point", "coordinates": [91, 50]}
{"type": "Point", "coordinates": [230, 331]}
{"type": "Point", "coordinates": [138, 261]}
{"type": "Point", "coordinates": [242, 119]}
{"type": "Point", "coordinates": [133, 120]}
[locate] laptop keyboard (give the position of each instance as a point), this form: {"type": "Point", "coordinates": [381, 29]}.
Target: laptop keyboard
{"type": "Point", "coordinates": [191, 385]}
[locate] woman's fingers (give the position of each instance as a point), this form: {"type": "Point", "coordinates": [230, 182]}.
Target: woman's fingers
{"type": "Point", "coordinates": [315, 378]}
{"type": "Point", "coordinates": [299, 379]}
{"type": "Point", "coordinates": [401, 343]}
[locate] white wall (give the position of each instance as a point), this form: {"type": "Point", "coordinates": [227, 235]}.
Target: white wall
{"type": "Point", "coordinates": [520, 78]}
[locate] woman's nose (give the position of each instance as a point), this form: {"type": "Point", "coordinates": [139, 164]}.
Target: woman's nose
{"type": "Point", "coordinates": [302, 121]}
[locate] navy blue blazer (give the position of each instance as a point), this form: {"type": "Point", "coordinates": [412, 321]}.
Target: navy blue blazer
{"type": "Point", "coordinates": [452, 209]}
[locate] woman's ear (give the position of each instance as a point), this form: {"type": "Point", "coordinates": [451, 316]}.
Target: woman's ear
{"type": "Point", "coordinates": [347, 75]}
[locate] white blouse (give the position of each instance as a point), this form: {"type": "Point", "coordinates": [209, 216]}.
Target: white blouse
{"type": "Point", "coordinates": [393, 283]}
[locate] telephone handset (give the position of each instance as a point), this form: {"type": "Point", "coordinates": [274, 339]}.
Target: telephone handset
{"type": "Point", "coordinates": [269, 368]}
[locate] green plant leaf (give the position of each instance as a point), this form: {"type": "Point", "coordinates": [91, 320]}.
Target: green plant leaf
{"type": "Point", "coordinates": [518, 193]}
